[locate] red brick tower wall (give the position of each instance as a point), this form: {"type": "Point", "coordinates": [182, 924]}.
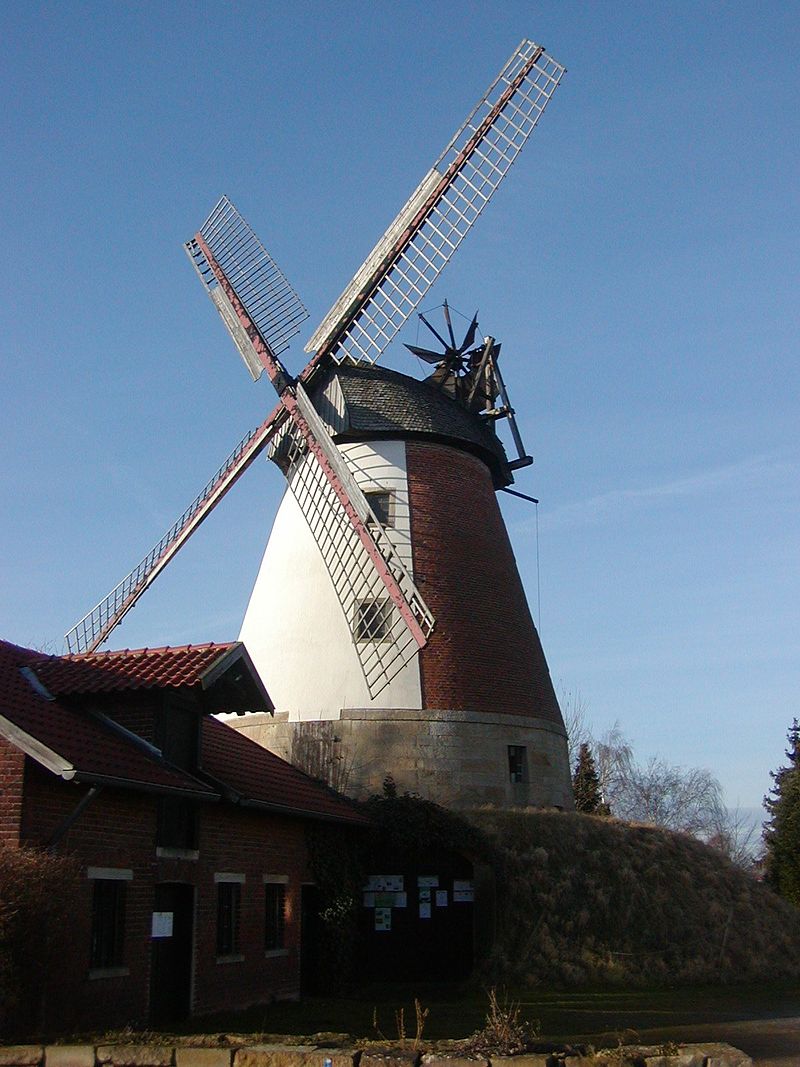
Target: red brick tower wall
{"type": "Point", "coordinates": [484, 654]}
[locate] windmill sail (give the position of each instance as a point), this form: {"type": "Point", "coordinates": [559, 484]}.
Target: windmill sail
{"type": "Point", "coordinates": [431, 225]}
{"type": "Point", "coordinates": [272, 305]}
{"type": "Point", "coordinates": [387, 616]}
{"type": "Point", "coordinates": [364, 568]}
{"type": "Point", "coordinates": [94, 628]}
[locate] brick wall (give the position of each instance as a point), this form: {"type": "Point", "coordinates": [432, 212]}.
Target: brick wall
{"type": "Point", "coordinates": [484, 653]}
{"type": "Point", "coordinates": [118, 829]}
{"type": "Point", "coordinates": [12, 763]}
{"type": "Point", "coordinates": [135, 710]}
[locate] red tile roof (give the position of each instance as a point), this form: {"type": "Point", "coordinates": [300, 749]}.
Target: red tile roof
{"type": "Point", "coordinates": [78, 744]}
{"type": "Point", "coordinates": [88, 746]}
{"type": "Point", "coordinates": [262, 779]}
{"type": "Point", "coordinates": [142, 668]}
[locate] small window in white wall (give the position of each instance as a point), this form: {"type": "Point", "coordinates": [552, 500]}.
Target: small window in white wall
{"type": "Point", "coordinates": [373, 620]}
{"type": "Point", "coordinates": [382, 503]}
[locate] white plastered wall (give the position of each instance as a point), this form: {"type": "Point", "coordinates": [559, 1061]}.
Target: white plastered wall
{"type": "Point", "coordinates": [294, 627]}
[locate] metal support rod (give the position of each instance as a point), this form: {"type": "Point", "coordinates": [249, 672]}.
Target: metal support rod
{"type": "Point", "coordinates": [65, 825]}
{"type": "Point", "coordinates": [515, 492]}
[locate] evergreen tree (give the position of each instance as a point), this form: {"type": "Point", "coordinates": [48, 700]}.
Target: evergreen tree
{"type": "Point", "coordinates": [586, 784]}
{"type": "Point", "coordinates": [782, 830]}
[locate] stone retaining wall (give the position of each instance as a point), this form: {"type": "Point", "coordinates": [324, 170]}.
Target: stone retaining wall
{"type": "Point", "coordinates": [705, 1055]}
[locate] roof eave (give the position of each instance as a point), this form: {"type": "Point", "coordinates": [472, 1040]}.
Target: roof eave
{"type": "Point", "coordinates": [145, 787]}
{"type": "Point", "coordinates": [31, 746]}
{"type": "Point", "coordinates": [237, 653]}
{"type": "Point", "coordinates": [356, 819]}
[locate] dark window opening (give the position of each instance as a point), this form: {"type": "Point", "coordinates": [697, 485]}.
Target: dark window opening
{"type": "Point", "coordinates": [517, 763]}
{"type": "Point", "coordinates": [108, 923]}
{"type": "Point", "coordinates": [177, 823]}
{"type": "Point", "coordinates": [274, 912]}
{"type": "Point", "coordinates": [178, 734]}
{"type": "Point", "coordinates": [373, 620]}
{"type": "Point", "coordinates": [229, 902]}
{"type": "Point", "coordinates": [380, 500]}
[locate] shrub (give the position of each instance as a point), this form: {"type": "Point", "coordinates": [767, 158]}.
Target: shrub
{"type": "Point", "coordinates": [38, 900]}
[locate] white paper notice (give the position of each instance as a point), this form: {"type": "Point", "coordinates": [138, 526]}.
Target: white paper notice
{"type": "Point", "coordinates": [424, 910]}
{"type": "Point", "coordinates": [162, 924]}
{"type": "Point", "coordinates": [441, 898]}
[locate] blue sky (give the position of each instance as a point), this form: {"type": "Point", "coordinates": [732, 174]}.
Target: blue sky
{"type": "Point", "coordinates": [639, 264]}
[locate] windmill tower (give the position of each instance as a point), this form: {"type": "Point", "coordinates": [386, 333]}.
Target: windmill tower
{"type": "Point", "coordinates": [388, 620]}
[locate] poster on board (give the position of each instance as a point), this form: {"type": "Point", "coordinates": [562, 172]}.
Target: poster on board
{"type": "Point", "coordinates": [383, 919]}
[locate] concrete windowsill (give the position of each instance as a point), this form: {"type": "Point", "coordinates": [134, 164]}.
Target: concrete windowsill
{"type": "Point", "coordinates": [108, 972]}
{"type": "Point", "coordinates": [236, 957]}
{"type": "Point", "coordinates": [274, 953]}
{"type": "Point", "coordinates": [163, 852]}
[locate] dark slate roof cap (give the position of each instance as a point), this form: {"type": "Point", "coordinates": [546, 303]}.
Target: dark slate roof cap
{"type": "Point", "coordinates": [385, 403]}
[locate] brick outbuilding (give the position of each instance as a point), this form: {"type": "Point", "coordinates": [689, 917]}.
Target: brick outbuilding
{"type": "Point", "coordinates": [191, 839]}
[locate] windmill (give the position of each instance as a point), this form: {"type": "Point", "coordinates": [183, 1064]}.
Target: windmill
{"type": "Point", "coordinates": [338, 623]}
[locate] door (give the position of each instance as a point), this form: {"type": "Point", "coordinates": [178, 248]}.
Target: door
{"type": "Point", "coordinates": [310, 979]}
{"type": "Point", "coordinates": [171, 952]}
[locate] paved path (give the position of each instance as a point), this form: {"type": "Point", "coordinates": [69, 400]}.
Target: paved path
{"type": "Point", "coordinates": [770, 1042]}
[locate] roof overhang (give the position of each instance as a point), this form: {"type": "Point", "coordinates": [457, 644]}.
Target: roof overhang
{"type": "Point", "coordinates": [34, 748]}
{"type": "Point", "coordinates": [232, 684]}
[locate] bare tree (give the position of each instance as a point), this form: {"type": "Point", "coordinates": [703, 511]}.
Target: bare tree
{"type": "Point", "coordinates": [574, 713]}
{"type": "Point", "coordinates": [687, 799]}
{"type": "Point", "coordinates": [657, 792]}
{"type": "Point", "coordinates": [737, 837]}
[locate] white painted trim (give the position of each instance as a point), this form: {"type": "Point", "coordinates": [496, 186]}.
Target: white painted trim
{"type": "Point", "coordinates": [110, 874]}
{"type": "Point", "coordinates": [228, 876]}
{"type": "Point", "coordinates": [276, 879]}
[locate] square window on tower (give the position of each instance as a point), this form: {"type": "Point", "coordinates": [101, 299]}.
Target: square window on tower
{"type": "Point", "coordinates": [373, 620]}
{"type": "Point", "coordinates": [382, 503]}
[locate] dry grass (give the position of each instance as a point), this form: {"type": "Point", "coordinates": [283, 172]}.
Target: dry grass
{"type": "Point", "coordinates": [584, 900]}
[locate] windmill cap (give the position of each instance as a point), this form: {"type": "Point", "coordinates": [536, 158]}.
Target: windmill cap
{"type": "Point", "coordinates": [363, 402]}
